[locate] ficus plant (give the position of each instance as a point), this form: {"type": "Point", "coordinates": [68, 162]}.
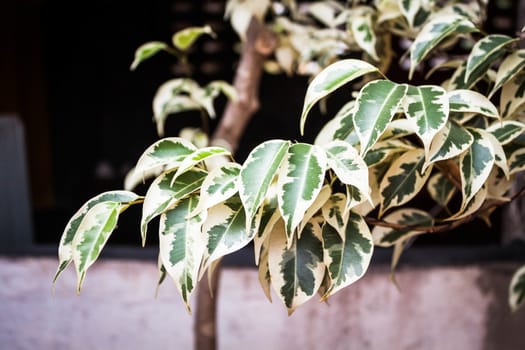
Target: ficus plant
{"type": "Point", "coordinates": [315, 211]}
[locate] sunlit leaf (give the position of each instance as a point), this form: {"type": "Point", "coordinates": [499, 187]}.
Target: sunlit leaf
{"type": "Point", "coordinates": [184, 38]}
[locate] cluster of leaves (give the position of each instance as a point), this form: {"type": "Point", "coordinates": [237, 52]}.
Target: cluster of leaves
{"type": "Point", "coordinates": [308, 208]}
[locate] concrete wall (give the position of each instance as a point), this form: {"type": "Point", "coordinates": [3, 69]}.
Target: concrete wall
{"type": "Point", "coordinates": [440, 307]}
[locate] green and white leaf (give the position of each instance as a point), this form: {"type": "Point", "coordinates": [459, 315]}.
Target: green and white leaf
{"type": "Point", "coordinates": [181, 246]}
{"type": "Point", "coordinates": [512, 97]}
{"type": "Point", "coordinates": [399, 128]}
{"type": "Point", "coordinates": [475, 166]}
{"type": "Point", "coordinates": [466, 101]}
{"type": "Point", "coordinates": [198, 156]}
{"type": "Point", "coordinates": [499, 153]}
{"type": "Point", "coordinates": [165, 153]}
{"type": "Point", "coordinates": [164, 193]}
{"type": "Point", "coordinates": [316, 206]}
{"type": "Point", "coordinates": [339, 127]}
{"type": "Point", "coordinates": [484, 53]}
{"type": "Point", "coordinates": [354, 197]}
{"type": "Point", "coordinates": [147, 50]}
{"type": "Point", "coordinates": [383, 150]}
{"type": "Point", "coordinates": [224, 230]}
{"type": "Point", "coordinates": [415, 11]}
{"type": "Point", "coordinates": [449, 142]}
{"type": "Point", "coordinates": [300, 180]}
{"type": "Point", "coordinates": [433, 33]}
{"type": "Point", "coordinates": [349, 167]}
{"type": "Point", "coordinates": [219, 185]}
{"type": "Point", "coordinates": [517, 161]}
{"type": "Point", "coordinates": [347, 257]}
{"type": "Point", "coordinates": [506, 131]}
{"type": "Point", "coordinates": [511, 66]}
{"type": "Point", "coordinates": [377, 103]}
{"type": "Point", "coordinates": [427, 107]}
{"type": "Point", "coordinates": [258, 172]}
{"type": "Point", "coordinates": [184, 38]}
{"type": "Point", "coordinates": [335, 213]}
{"type": "Point", "coordinates": [440, 189]}
{"type": "Point", "coordinates": [264, 270]}
{"type": "Point", "coordinates": [362, 29]}
{"type": "Point", "coordinates": [91, 236]}
{"type": "Point", "coordinates": [269, 214]}
{"type": "Point", "coordinates": [472, 206]}
{"type": "Point", "coordinates": [162, 275]}
{"type": "Point", "coordinates": [296, 269]}
{"type": "Point", "coordinates": [387, 236]}
{"type": "Point", "coordinates": [206, 96]}
{"type": "Point", "coordinates": [65, 248]}
{"type": "Point", "coordinates": [517, 289]}
{"type": "Point", "coordinates": [332, 78]}
{"type": "Point", "coordinates": [403, 180]}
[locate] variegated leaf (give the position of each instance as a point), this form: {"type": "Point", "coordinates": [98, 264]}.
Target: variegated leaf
{"type": "Point", "coordinates": [207, 95]}
{"type": "Point", "coordinates": [316, 206]}
{"type": "Point", "coordinates": [264, 270]}
{"type": "Point", "coordinates": [506, 131]}
{"type": "Point", "coordinates": [347, 257]}
{"type": "Point", "coordinates": [296, 270]}
{"type": "Point", "coordinates": [65, 250]}
{"type": "Point", "coordinates": [167, 152]}
{"type": "Point", "coordinates": [415, 11]}
{"type": "Point", "coordinates": [162, 275]}
{"type": "Point", "coordinates": [219, 185]}
{"type": "Point", "coordinates": [498, 185]}
{"type": "Point", "coordinates": [433, 33]}
{"type": "Point", "coordinates": [475, 166]}
{"type": "Point", "coordinates": [258, 171]}
{"type": "Point", "coordinates": [440, 189]}
{"type": "Point", "coordinates": [472, 206]}
{"type": "Point", "coordinates": [513, 96]}
{"type": "Point", "coordinates": [354, 197]}
{"type": "Point", "coordinates": [403, 180]}
{"type": "Point", "coordinates": [335, 213]}
{"type": "Point", "coordinates": [224, 230]}
{"type": "Point", "coordinates": [344, 129]}
{"type": "Point", "coordinates": [511, 66]}
{"type": "Point", "coordinates": [363, 30]}
{"type": "Point", "coordinates": [349, 167]}
{"type": "Point", "coordinates": [382, 150]}
{"type": "Point", "coordinates": [500, 159]}
{"type": "Point", "coordinates": [330, 79]}
{"type": "Point", "coordinates": [466, 101]}
{"type": "Point", "coordinates": [399, 128]}
{"type": "Point", "coordinates": [91, 236]}
{"type": "Point", "coordinates": [164, 192]}
{"type": "Point", "coordinates": [300, 180]}
{"type": "Point", "coordinates": [269, 215]}
{"type": "Point", "coordinates": [517, 289]}
{"type": "Point", "coordinates": [184, 38]}
{"type": "Point", "coordinates": [181, 246]}
{"type": "Point", "coordinates": [376, 105]}
{"type": "Point", "coordinates": [198, 156]}
{"type": "Point", "coordinates": [147, 50]}
{"type": "Point", "coordinates": [427, 107]}
{"type": "Point", "coordinates": [387, 236]}
{"type": "Point", "coordinates": [450, 142]}
{"type": "Point", "coordinates": [484, 53]}
{"type": "Point", "coordinates": [517, 161]}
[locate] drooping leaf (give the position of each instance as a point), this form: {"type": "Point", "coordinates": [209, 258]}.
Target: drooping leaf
{"type": "Point", "coordinates": [427, 107]}
{"type": "Point", "coordinates": [300, 180]}
{"type": "Point", "coordinates": [335, 213]}
{"type": "Point", "coordinates": [316, 206]}
{"type": "Point", "coordinates": [517, 161]}
{"type": "Point", "coordinates": [169, 152]}
{"type": "Point", "coordinates": [224, 230]}
{"type": "Point", "coordinates": [198, 156]}
{"type": "Point", "coordinates": [162, 275]}
{"type": "Point", "coordinates": [349, 167]}
{"type": "Point", "coordinates": [65, 249]}
{"type": "Point", "coordinates": [484, 53]}
{"type": "Point", "coordinates": [347, 257]}
{"type": "Point", "coordinates": [440, 189]}
{"type": "Point", "coordinates": [399, 128]}
{"type": "Point", "coordinates": [475, 166]}
{"type": "Point", "coordinates": [162, 194]}
{"type": "Point", "coordinates": [269, 213]}
{"type": "Point", "coordinates": [376, 105]}
{"type": "Point", "coordinates": [330, 79]}
{"type": "Point", "coordinates": [344, 125]}
{"type": "Point", "coordinates": [511, 66]}
{"type": "Point", "coordinates": [466, 101]}
{"type": "Point", "coordinates": [500, 159]}
{"type": "Point", "coordinates": [147, 50]}
{"type": "Point", "coordinates": [184, 38]}
{"type": "Point", "coordinates": [472, 206]}
{"type": "Point", "coordinates": [354, 197]}
{"type": "Point", "coordinates": [219, 185]}
{"type": "Point", "coordinates": [91, 236]}
{"type": "Point", "coordinates": [363, 31]}
{"type": "Point", "coordinates": [403, 180]}
{"type": "Point", "coordinates": [415, 11]}
{"type": "Point", "coordinates": [513, 96]}
{"type": "Point", "coordinates": [382, 150]}
{"type": "Point", "coordinates": [296, 270]}
{"type": "Point", "coordinates": [450, 142]}
{"type": "Point", "coordinates": [181, 246]}
{"type": "Point", "coordinates": [433, 33]}
{"type": "Point", "coordinates": [387, 236]}
{"type": "Point", "coordinates": [258, 171]}
{"type": "Point", "coordinates": [207, 95]}
{"type": "Point", "coordinates": [517, 289]}
{"type": "Point", "coordinates": [264, 270]}
{"type": "Point", "coordinates": [506, 131]}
